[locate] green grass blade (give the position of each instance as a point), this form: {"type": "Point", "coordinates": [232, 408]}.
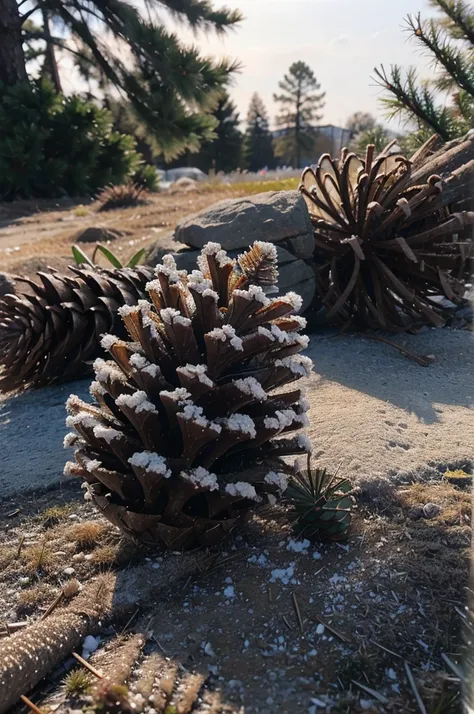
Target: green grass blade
{"type": "Point", "coordinates": [80, 257]}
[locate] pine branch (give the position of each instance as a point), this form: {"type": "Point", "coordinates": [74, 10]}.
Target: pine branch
{"type": "Point", "coordinates": [460, 18]}
{"type": "Point", "coordinates": [200, 15]}
{"type": "Point", "coordinates": [455, 62]}
{"type": "Point", "coordinates": [409, 98]}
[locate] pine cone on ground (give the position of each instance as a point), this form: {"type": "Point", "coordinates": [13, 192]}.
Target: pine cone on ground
{"type": "Point", "coordinates": [187, 433]}
{"type": "Point", "coordinates": [384, 248]}
{"type": "Point", "coordinates": [51, 331]}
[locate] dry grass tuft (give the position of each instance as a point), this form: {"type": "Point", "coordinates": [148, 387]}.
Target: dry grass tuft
{"type": "Point", "coordinates": [124, 196]}
{"type": "Point", "coordinates": [87, 534]}
{"type": "Point", "coordinates": [54, 515]}
{"type": "Point", "coordinates": [77, 683]}
{"type": "Point", "coordinates": [32, 598]}
{"type": "Point", "coordinates": [38, 557]}
{"type": "Point", "coordinates": [7, 556]}
{"type": "Point", "coordinates": [106, 554]}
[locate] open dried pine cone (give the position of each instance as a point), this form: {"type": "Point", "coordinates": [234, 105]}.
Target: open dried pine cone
{"type": "Point", "coordinates": [186, 434]}
{"type": "Point", "coordinates": [385, 249]}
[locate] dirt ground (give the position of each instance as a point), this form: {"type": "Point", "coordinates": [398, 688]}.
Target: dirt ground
{"type": "Point", "coordinates": [273, 624]}
{"type": "Point", "coordinates": [266, 624]}
{"type": "Point", "coordinates": [35, 234]}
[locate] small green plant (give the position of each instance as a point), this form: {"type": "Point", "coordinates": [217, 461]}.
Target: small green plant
{"type": "Point", "coordinates": [320, 503]}
{"type": "Point", "coordinates": [125, 195]}
{"type": "Point", "coordinates": [77, 683]}
{"type": "Point", "coordinates": [82, 259]}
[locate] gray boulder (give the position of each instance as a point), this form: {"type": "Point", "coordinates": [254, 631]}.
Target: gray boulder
{"type": "Point", "coordinates": [279, 217]}
{"type": "Point", "coordinates": [294, 274]}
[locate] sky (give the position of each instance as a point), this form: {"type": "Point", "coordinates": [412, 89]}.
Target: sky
{"type": "Point", "coordinates": [341, 40]}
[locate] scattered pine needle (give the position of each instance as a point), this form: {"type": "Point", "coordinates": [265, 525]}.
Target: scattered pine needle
{"type": "Point", "coordinates": [297, 610]}
{"type": "Point", "coordinates": [88, 666]}
{"type": "Point", "coordinates": [20, 545]}
{"type": "Point", "coordinates": [376, 695]}
{"type": "Point", "coordinates": [30, 705]}
{"type": "Point", "coordinates": [411, 681]}
{"type": "Point", "coordinates": [385, 649]}
{"type": "Point", "coordinates": [53, 606]}
{"type": "Point", "coordinates": [331, 629]}
{"type": "Point", "coordinates": [424, 361]}
{"type": "Point", "coordinates": [452, 666]}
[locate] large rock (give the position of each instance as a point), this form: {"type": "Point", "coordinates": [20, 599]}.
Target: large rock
{"type": "Point", "coordinates": [294, 274]}
{"type": "Point", "coordinates": [277, 217]}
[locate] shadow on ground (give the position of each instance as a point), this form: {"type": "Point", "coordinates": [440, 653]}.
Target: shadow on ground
{"type": "Point", "coordinates": [360, 363]}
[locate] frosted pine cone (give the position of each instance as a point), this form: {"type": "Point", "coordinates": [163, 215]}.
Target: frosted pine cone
{"type": "Point", "coordinates": [187, 432]}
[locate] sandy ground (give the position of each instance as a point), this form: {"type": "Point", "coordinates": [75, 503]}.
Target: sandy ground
{"type": "Point", "coordinates": [372, 409]}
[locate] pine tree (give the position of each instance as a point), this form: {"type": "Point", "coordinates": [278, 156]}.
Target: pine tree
{"type": "Point", "coordinates": [258, 143]}
{"type": "Point", "coordinates": [360, 122]}
{"type": "Point", "coordinates": [170, 85]}
{"type": "Point", "coordinates": [450, 42]}
{"type": "Point", "coordinates": [300, 103]}
{"type": "Point", "coordinates": [225, 151]}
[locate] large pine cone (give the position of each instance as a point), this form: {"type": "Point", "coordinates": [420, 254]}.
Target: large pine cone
{"type": "Point", "coordinates": [186, 434]}
{"type": "Point", "coordinates": [386, 250]}
{"type": "Point", "coordinates": [52, 331]}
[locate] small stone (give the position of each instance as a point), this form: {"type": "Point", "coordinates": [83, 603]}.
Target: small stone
{"type": "Point", "coordinates": [69, 571]}
{"type": "Point", "coordinates": [431, 510]}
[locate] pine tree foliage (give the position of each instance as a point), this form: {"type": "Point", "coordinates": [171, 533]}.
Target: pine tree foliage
{"type": "Point", "coordinates": [171, 86]}
{"type": "Point", "coordinates": [224, 152]}
{"type": "Point", "coordinates": [359, 122]}
{"type": "Point", "coordinates": [258, 143]}
{"type": "Point", "coordinates": [449, 41]}
{"type": "Point", "coordinates": [300, 103]}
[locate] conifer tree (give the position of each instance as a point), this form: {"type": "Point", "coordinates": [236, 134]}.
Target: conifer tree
{"type": "Point", "coordinates": [171, 86]}
{"type": "Point", "coordinates": [258, 143]}
{"type": "Point", "coordinates": [449, 40]}
{"type": "Point", "coordinates": [301, 103]}
{"type": "Point", "coordinates": [224, 152]}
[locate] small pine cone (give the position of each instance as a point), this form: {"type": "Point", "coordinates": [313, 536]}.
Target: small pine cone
{"type": "Point", "coordinates": [52, 331]}
{"type": "Point", "coordinates": [191, 423]}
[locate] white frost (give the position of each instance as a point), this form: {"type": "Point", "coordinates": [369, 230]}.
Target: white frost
{"type": "Point", "coordinates": [243, 489]}
{"type": "Point", "coordinates": [280, 480]}
{"type": "Point", "coordinates": [240, 422]}
{"type": "Point", "coordinates": [151, 462]}
{"type": "Point", "coordinates": [138, 401]}
{"type": "Point", "coordinates": [224, 333]}
{"type": "Point", "coordinates": [202, 478]}
{"type": "Point", "coordinates": [252, 387]}
{"type": "Point", "coordinates": [108, 434]}
{"type": "Point", "coordinates": [300, 365]}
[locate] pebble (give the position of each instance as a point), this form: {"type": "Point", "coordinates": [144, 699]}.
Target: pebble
{"type": "Point", "coordinates": [431, 510]}
{"type": "Point", "coordinates": [69, 571]}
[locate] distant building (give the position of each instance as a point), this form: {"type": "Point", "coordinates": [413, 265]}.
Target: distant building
{"type": "Point", "coordinates": [328, 139]}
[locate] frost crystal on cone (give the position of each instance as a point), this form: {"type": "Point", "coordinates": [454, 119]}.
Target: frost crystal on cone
{"type": "Point", "coordinates": [187, 432]}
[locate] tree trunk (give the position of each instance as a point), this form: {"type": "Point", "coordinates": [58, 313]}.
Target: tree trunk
{"type": "Point", "coordinates": [12, 58]}
{"type": "Point", "coordinates": [50, 63]}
